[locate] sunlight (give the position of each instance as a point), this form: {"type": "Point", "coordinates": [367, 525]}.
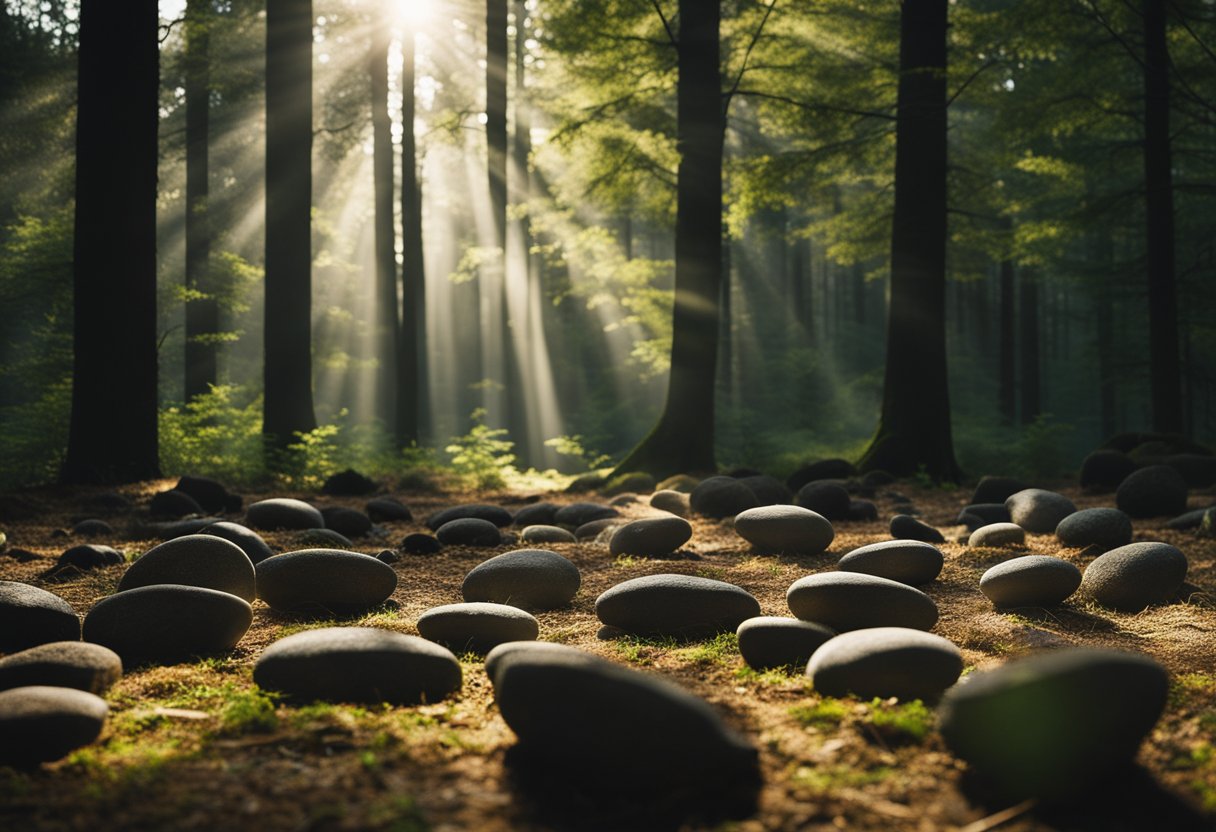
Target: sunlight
{"type": "Point", "coordinates": [414, 13]}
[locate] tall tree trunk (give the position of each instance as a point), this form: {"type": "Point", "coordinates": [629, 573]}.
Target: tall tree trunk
{"type": "Point", "coordinates": [1030, 347]}
{"type": "Point", "coordinates": [727, 374]}
{"type": "Point", "coordinates": [1164, 371]}
{"type": "Point", "coordinates": [288, 407]}
{"type": "Point", "coordinates": [858, 276]}
{"type": "Point", "coordinates": [112, 436]}
{"type": "Point", "coordinates": [498, 354]}
{"type": "Point", "coordinates": [202, 310]}
{"type": "Point", "coordinates": [802, 287]}
{"type": "Point", "coordinates": [683, 439]}
{"type": "Point", "coordinates": [386, 321]}
{"type": "Point", "coordinates": [914, 430]}
{"type": "Point", "coordinates": [411, 344]}
{"type": "Point", "coordinates": [1008, 357]}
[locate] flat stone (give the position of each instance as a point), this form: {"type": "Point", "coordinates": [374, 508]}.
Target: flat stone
{"type": "Point", "coordinates": [1135, 576]}
{"type": "Point", "coordinates": [1106, 528]}
{"type": "Point", "coordinates": [251, 542]}
{"type": "Point", "coordinates": [1187, 520]}
{"type": "Point", "coordinates": [537, 514]}
{"type": "Point", "coordinates": [547, 534]}
{"type": "Point", "coordinates": [346, 521]}
{"type": "Point", "coordinates": [673, 502]}
{"type": "Point", "coordinates": [358, 664]}
{"type": "Point", "coordinates": [526, 578]}
{"type": "Point", "coordinates": [63, 664]}
{"type": "Point", "coordinates": [653, 537]}
{"type": "Point", "coordinates": [579, 514]}
{"type": "Point", "coordinates": [469, 531]}
{"type": "Point", "coordinates": [675, 605]}
{"type": "Point", "coordinates": [283, 513]}
{"type": "Point", "coordinates": [194, 560]}
{"type": "Point", "coordinates": [420, 544]}
{"type": "Point", "coordinates": [785, 529]}
{"type": "Point", "coordinates": [92, 527]}
{"type": "Point", "coordinates": [388, 510]}
{"type": "Point", "coordinates": [40, 724]}
{"type": "Point", "coordinates": [1039, 511]}
{"type": "Point", "coordinates": [89, 556]}
{"type": "Point", "coordinates": [593, 530]}
{"type": "Point", "coordinates": [1030, 581]}
{"type": "Point", "coordinates": [719, 497]}
{"type": "Point", "coordinates": [387, 556]}
{"type": "Point", "coordinates": [1154, 491]}
{"type": "Point", "coordinates": [768, 641]}
{"type": "Point", "coordinates": [884, 662]}
{"type": "Point", "coordinates": [911, 562]}
{"type": "Point", "coordinates": [173, 504]}
{"type": "Point", "coordinates": [168, 622]}
{"type": "Point", "coordinates": [906, 527]}
{"type": "Point", "coordinates": [30, 616]}
{"type": "Point", "coordinates": [321, 581]}
{"type": "Point", "coordinates": [210, 494]}
{"type": "Point", "coordinates": [996, 535]}
{"type": "Point", "coordinates": [996, 489]}
{"type": "Point", "coordinates": [826, 498]}
{"type": "Point", "coordinates": [1051, 724]}
{"type": "Point", "coordinates": [854, 601]}
{"type": "Point", "coordinates": [497, 515]}
{"type": "Point", "coordinates": [477, 627]}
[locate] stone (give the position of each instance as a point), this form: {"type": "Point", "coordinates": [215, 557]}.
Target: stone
{"type": "Point", "coordinates": [89, 556]}
{"type": "Point", "coordinates": [634, 481]}
{"type": "Point", "coordinates": [673, 502]}
{"type": "Point", "coordinates": [387, 510]}
{"type": "Point", "coordinates": [476, 627]}
{"type": "Point", "coordinates": [884, 662]}
{"type": "Point", "coordinates": [358, 664]}
{"type": "Point", "coordinates": [683, 606]}
{"type": "Point", "coordinates": [855, 601]}
{"type": "Point", "coordinates": [995, 489]}
{"type": "Point", "coordinates": [30, 616]}
{"type": "Point", "coordinates": [62, 664]}
{"type": "Point", "coordinates": [653, 537]}
{"type": "Point", "coordinates": [496, 515]}
{"type": "Point", "coordinates": [873, 480]}
{"type": "Point", "coordinates": [1198, 470]}
{"type": "Point", "coordinates": [348, 483]}
{"type": "Point", "coordinates": [194, 560]}
{"type": "Point", "coordinates": [420, 544]}
{"type": "Point", "coordinates": [985, 513]}
{"type": "Point", "coordinates": [547, 534]}
{"type": "Point", "coordinates": [768, 641]}
{"type": "Point", "coordinates": [1163, 444]}
{"type": "Point", "coordinates": [469, 531]}
{"type": "Point", "coordinates": [906, 527]}
{"type": "Point", "coordinates": [785, 529]}
{"type": "Point", "coordinates": [996, 535]}
{"type": "Point", "coordinates": [1106, 528]}
{"type": "Point", "coordinates": [40, 724]}
{"type": "Point", "coordinates": [251, 542]}
{"type": "Point", "coordinates": [911, 562]}
{"type": "Point", "coordinates": [537, 514]}
{"type": "Point", "coordinates": [596, 528]}
{"type": "Point", "coordinates": [322, 581]}
{"type": "Point", "coordinates": [585, 483]}
{"type": "Point", "coordinates": [1154, 491]}
{"type": "Point", "coordinates": [320, 539]}
{"type": "Point", "coordinates": [92, 527]}
{"type": "Point", "coordinates": [1187, 520]}
{"type": "Point", "coordinates": [578, 514]}
{"type": "Point", "coordinates": [171, 529]}
{"type": "Point", "coordinates": [1038, 511]}
{"type": "Point", "coordinates": [387, 556]}
{"type": "Point", "coordinates": [768, 490]}
{"type": "Point", "coordinates": [862, 511]}
{"type": "Point", "coordinates": [1049, 725]}
{"type": "Point", "coordinates": [1030, 581]}
{"type": "Point", "coordinates": [346, 521]}
{"type": "Point", "coordinates": [208, 493]}
{"type": "Point", "coordinates": [826, 498]}
{"type": "Point", "coordinates": [173, 504]}
{"type": "Point", "coordinates": [168, 622]}
{"type": "Point", "coordinates": [824, 469]}
{"type": "Point", "coordinates": [719, 497]}
{"type": "Point", "coordinates": [1135, 576]}
{"type": "Point", "coordinates": [526, 578]}
{"type": "Point", "coordinates": [1104, 469]}
{"type": "Point", "coordinates": [283, 513]}
{"type": "Point", "coordinates": [1207, 526]}
{"type": "Point", "coordinates": [679, 482]}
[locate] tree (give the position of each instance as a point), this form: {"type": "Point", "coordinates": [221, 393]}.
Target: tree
{"type": "Point", "coordinates": [914, 428]}
{"type": "Point", "coordinates": [411, 375]}
{"type": "Point", "coordinates": [386, 324]}
{"type": "Point", "coordinates": [113, 433]}
{"type": "Point", "coordinates": [202, 308]}
{"type": "Point", "coordinates": [287, 370]}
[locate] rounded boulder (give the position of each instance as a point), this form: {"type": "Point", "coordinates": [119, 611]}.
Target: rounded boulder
{"type": "Point", "coordinates": [996, 535]}
{"type": "Point", "coordinates": [30, 616]}
{"type": "Point", "coordinates": [194, 560]}
{"type": "Point", "coordinates": [39, 724]}
{"type": "Point", "coordinates": [321, 581]}
{"type": "Point", "coordinates": [283, 513]}
{"type": "Point", "coordinates": [526, 578]}
{"type": "Point", "coordinates": [62, 664]}
{"type": "Point", "coordinates": [855, 601]}
{"type": "Point", "coordinates": [1153, 491]}
{"type": "Point", "coordinates": [768, 641]}
{"type": "Point", "coordinates": [469, 531]}
{"type": "Point", "coordinates": [911, 562]}
{"type": "Point", "coordinates": [168, 623]}
{"type": "Point", "coordinates": [499, 516]}
{"type": "Point", "coordinates": [1107, 528]}
{"type": "Point", "coordinates": [650, 538]}
{"type": "Point", "coordinates": [1135, 576]}
{"type": "Point", "coordinates": [683, 606]}
{"type": "Point", "coordinates": [250, 541]}
{"type": "Point", "coordinates": [719, 497]}
{"type": "Point", "coordinates": [785, 529]}
{"type": "Point", "coordinates": [884, 662]}
{"type": "Point", "coordinates": [1030, 581]}
{"type": "Point", "coordinates": [478, 627]}
{"type": "Point", "coordinates": [547, 534]}
{"type": "Point", "coordinates": [826, 498]}
{"type": "Point", "coordinates": [1037, 510]}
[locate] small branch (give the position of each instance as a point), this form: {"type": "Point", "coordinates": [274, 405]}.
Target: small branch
{"type": "Point", "coordinates": [967, 83]}
{"type": "Point", "coordinates": [1111, 31]}
{"type": "Point", "coordinates": [168, 27]}
{"type": "Point", "coordinates": [831, 108]}
{"type": "Point", "coordinates": [666, 25]}
{"type": "Point", "coordinates": [747, 54]}
{"type": "Point", "coordinates": [336, 130]}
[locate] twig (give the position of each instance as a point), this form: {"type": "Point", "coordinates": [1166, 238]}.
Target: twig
{"type": "Point", "coordinates": [747, 54]}
{"type": "Point", "coordinates": [1004, 816]}
{"type": "Point", "coordinates": [666, 26]}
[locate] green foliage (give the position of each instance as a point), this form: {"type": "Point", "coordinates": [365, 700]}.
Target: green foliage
{"type": "Point", "coordinates": [824, 713]}
{"type": "Point", "coordinates": [217, 435]}
{"type": "Point", "coordinates": [903, 722]}
{"type": "Point", "coordinates": [573, 447]}
{"type": "Point", "coordinates": [482, 456]}
{"type": "Point", "coordinates": [722, 649]}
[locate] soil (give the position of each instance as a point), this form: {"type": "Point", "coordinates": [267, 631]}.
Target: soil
{"type": "Point", "coordinates": [187, 747]}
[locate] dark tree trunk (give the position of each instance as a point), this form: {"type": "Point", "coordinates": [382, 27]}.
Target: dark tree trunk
{"type": "Point", "coordinates": [499, 392]}
{"type": "Point", "coordinates": [914, 430]}
{"type": "Point", "coordinates": [112, 436]}
{"type": "Point", "coordinates": [1008, 356]}
{"type": "Point", "coordinates": [1030, 347]}
{"type": "Point", "coordinates": [386, 322]}
{"type": "Point", "coordinates": [411, 344]}
{"type": "Point", "coordinates": [683, 439]}
{"type": "Point", "coordinates": [1164, 372]}
{"type": "Point", "coordinates": [202, 311]}
{"type": "Point", "coordinates": [288, 408]}
{"type": "Point", "coordinates": [516, 326]}
{"type": "Point", "coordinates": [803, 290]}
{"type": "Point", "coordinates": [728, 378]}
{"type": "Point", "coordinates": [858, 276]}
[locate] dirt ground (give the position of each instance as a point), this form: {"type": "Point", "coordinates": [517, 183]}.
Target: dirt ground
{"type": "Point", "coordinates": [195, 746]}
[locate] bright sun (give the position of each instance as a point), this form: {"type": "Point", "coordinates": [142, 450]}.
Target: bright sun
{"type": "Point", "coordinates": [415, 13]}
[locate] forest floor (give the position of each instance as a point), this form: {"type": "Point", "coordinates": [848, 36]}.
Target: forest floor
{"type": "Point", "coordinates": [196, 746]}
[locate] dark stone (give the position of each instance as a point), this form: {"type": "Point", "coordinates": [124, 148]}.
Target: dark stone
{"type": "Point", "coordinates": [1198, 470]}
{"type": "Point", "coordinates": [585, 483]}
{"type": "Point", "coordinates": [537, 514]}
{"type": "Point", "coordinates": [1166, 443]}
{"type": "Point", "coordinates": [250, 541]}
{"type": "Point", "coordinates": [173, 504]}
{"type": "Point", "coordinates": [652, 537]}
{"type": "Point", "coordinates": [768, 490]}
{"type": "Point", "coordinates": [675, 605]}
{"type": "Point", "coordinates": [672, 502]}
{"type": "Point", "coordinates": [1030, 581]}
{"type": "Point", "coordinates": [719, 497]}
{"type": "Point", "coordinates": [1132, 577]}
{"type": "Point", "coordinates": [348, 483]}
{"type": "Point", "coordinates": [1049, 725]}
{"type": "Point", "coordinates": [387, 510]}
{"type": "Point", "coordinates": [862, 511]}
{"type": "Point", "coordinates": [678, 482]}
{"type": "Point", "coordinates": [62, 664]}
{"type": "Point", "coordinates": [791, 529]}
{"type": "Point", "coordinates": [346, 521]}
{"type": "Point", "coordinates": [985, 513]}
{"type": "Point", "coordinates": [89, 556]}
{"type": "Point", "coordinates": [323, 581]}
{"type": "Point", "coordinates": [496, 515]}
{"type": "Point", "coordinates": [634, 481]}
{"type": "Point", "coordinates": [167, 622]}
{"type": "Point", "coordinates": [873, 480]}
{"type": "Point", "coordinates": [905, 527]}
{"type": "Point", "coordinates": [579, 514]}
{"type": "Point", "coordinates": [1107, 528]}
{"type": "Point", "coordinates": [1155, 491]}
{"type": "Point", "coordinates": [320, 539]}
{"type": "Point", "coordinates": [358, 664]}
{"type": "Point", "coordinates": [768, 641]}
{"type": "Point", "coordinates": [1104, 469]}
{"type": "Point", "coordinates": [476, 627]}
{"type": "Point", "coordinates": [93, 528]}
{"type": "Point", "coordinates": [626, 499]}
{"type": "Point", "coordinates": [996, 535]}
{"type": "Point", "coordinates": [172, 529]}
{"type": "Point", "coordinates": [996, 489]}
{"type": "Point", "coordinates": [469, 531]}
{"type": "Point", "coordinates": [1039, 511]}
{"type": "Point", "coordinates": [1188, 520]}
{"type": "Point", "coordinates": [884, 662]}
{"type": "Point", "coordinates": [39, 724]}
{"type": "Point", "coordinates": [283, 513]}
{"type": "Point", "coordinates": [420, 544]}
{"type": "Point", "coordinates": [387, 556]}
{"type": "Point", "coordinates": [741, 472]}
{"type": "Point", "coordinates": [208, 493]}
{"type": "Point", "coordinates": [911, 562]}
{"type": "Point", "coordinates": [592, 530]}
{"type": "Point", "coordinates": [547, 534]}
{"type": "Point", "coordinates": [195, 560]}
{"type": "Point", "coordinates": [526, 578]}
{"type": "Point", "coordinates": [30, 616]}
{"type": "Point", "coordinates": [824, 469]}
{"type": "Point", "coordinates": [826, 498]}
{"type": "Point", "coordinates": [855, 601]}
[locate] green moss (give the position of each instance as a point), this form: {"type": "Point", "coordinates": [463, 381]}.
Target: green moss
{"type": "Point", "coordinates": [828, 778]}
{"type": "Point", "coordinates": [642, 650]}
{"type": "Point", "coordinates": [825, 713]}
{"type": "Point", "coordinates": [249, 712]}
{"type": "Point", "coordinates": [903, 722]}
{"type": "Point", "coordinates": [721, 649]}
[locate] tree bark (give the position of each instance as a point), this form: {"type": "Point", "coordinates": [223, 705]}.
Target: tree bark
{"type": "Point", "coordinates": [1008, 357]}
{"type": "Point", "coordinates": [202, 310]}
{"type": "Point", "coordinates": [499, 353]}
{"type": "Point", "coordinates": [411, 344]}
{"type": "Point", "coordinates": [112, 436]}
{"type": "Point", "coordinates": [386, 323]}
{"type": "Point", "coordinates": [288, 406]}
{"type": "Point", "coordinates": [914, 429]}
{"type": "Point", "coordinates": [1030, 347]}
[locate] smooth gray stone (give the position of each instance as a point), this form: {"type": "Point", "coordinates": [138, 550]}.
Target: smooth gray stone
{"type": "Point", "coordinates": [547, 534]}
{"type": "Point", "coordinates": [675, 605]}
{"type": "Point", "coordinates": [1187, 520]}
{"type": "Point", "coordinates": [768, 641]}
{"type": "Point", "coordinates": [172, 529]}
{"type": "Point", "coordinates": [497, 657]}
{"type": "Point", "coordinates": [578, 514]}
{"type": "Point", "coordinates": [283, 513]}
{"type": "Point", "coordinates": [477, 627]}
{"type": "Point", "coordinates": [1107, 528]}
{"type": "Point", "coordinates": [906, 527]}
{"type": "Point", "coordinates": [62, 664]}
{"type": "Point", "coordinates": [678, 482]}
{"type": "Point", "coordinates": [39, 724]}
{"type": "Point", "coordinates": [30, 616]}
{"type": "Point", "coordinates": [995, 489]}
{"type": "Point", "coordinates": [884, 662]}
{"type": "Point", "coordinates": [1132, 577]}
{"type": "Point", "coordinates": [173, 504]}
{"type": "Point", "coordinates": [469, 531]}
{"type": "Point", "coordinates": [324, 581]}
{"type": "Point", "coordinates": [986, 513]}
{"type": "Point", "coordinates": [420, 544]}
{"type": "Point", "coordinates": [1049, 725]}
{"type": "Point", "coordinates": [911, 562]}
{"type": "Point", "coordinates": [1039, 511]}
{"type": "Point", "coordinates": [854, 601]}
{"type": "Point", "coordinates": [719, 497]}
{"type": "Point", "coordinates": [652, 537]}
{"type": "Point", "coordinates": [89, 556]}
{"type": "Point", "coordinates": [673, 502]}
{"type": "Point", "coordinates": [525, 578]}
{"type": "Point", "coordinates": [592, 530]}
{"type": "Point", "coordinates": [1030, 581]}
{"type": "Point", "coordinates": [862, 511]}
{"type": "Point", "coordinates": [788, 529]}
{"type": "Point", "coordinates": [497, 515]}
{"type": "Point", "coordinates": [358, 664]}
{"type": "Point", "coordinates": [996, 535]}
{"type": "Point", "coordinates": [388, 510]}
{"type": "Point", "coordinates": [1153, 491]}
{"type": "Point", "coordinates": [250, 541]}
{"type": "Point", "coordinates": [826, 498]}
{"type": "Point", "coordinates": [320, 539]}
{"type": "Point", "coordinates": [346, 521]}
{"type": "Point", "coordinates": [537, 514]}
{"type": "Point", "coordinates": [1104, 469]}
{"type": "Point", "coordinates": [208, 493]}
{"type": "Point", "coordinates": [92, 528]}
{"type": "Point", "coordinates": [167, 622]}
{"type": "Point", "coordinates": [194, 560]}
